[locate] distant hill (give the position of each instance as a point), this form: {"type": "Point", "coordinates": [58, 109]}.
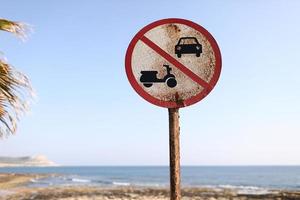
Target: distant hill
{"type": "Point", "coordinates": [27, 161]}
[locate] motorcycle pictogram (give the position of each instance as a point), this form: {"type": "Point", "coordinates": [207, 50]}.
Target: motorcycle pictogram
{"type": "Point", "coordinates": [150, 77]}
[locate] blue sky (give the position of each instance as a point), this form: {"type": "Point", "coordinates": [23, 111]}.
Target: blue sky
{"type": "Point", "coordinates": [87, 113]}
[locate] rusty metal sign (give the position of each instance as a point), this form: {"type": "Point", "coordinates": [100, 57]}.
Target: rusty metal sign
{"type": "Point", "coordinates": [173, 63]}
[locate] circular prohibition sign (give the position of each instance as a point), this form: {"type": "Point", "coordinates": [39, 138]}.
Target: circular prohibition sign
{"type": "Point", "coordinates": [173, 63]}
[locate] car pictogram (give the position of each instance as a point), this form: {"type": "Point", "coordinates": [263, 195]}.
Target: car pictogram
{"type": "Point", "coordinates": [188, 45]}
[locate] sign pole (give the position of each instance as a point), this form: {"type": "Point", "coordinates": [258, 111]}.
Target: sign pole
{"type": "Point", "coordinates": [174, 151]}
{"type": "Point", "coordinates": [173, 63]}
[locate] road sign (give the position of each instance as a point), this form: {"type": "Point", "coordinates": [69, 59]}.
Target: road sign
{"type": "Point", "coordinates": [173, 63]}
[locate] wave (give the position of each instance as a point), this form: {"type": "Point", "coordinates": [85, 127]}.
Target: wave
{"type": "Point", "coordinates": [79, 180]}
{"type": "Point", "coordinates": [96, 181]}
{"type": "Point", "coordinates": [33, 180]}
{"type": "Point", "coordinates": [245, 189]}
{"type": "Point", "coordinates": [121, 183]}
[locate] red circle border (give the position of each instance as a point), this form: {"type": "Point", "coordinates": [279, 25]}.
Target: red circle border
{"type": "Point", "coordinates": [172, 104]}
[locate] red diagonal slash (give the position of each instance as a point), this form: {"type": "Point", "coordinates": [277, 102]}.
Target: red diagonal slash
{"type": "Point", "coordinates": [177, 64]}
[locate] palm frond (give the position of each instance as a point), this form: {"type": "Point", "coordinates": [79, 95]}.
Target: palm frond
{"type": "Point", "coordinates": [15, 96]}
{"type": "Point", "coordinates": [15, 88]}
{"type": "Point", "coordinates": [18, 28]}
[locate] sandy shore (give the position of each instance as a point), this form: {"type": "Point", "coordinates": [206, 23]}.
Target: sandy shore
{"type": "Point", "coordinates": [8, 181]}
{"type": "Point", "coordinates": [12, 188]}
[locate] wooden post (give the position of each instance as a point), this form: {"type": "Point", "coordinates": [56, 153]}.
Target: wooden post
{"type": "Point", "coordinates": [174, 154]}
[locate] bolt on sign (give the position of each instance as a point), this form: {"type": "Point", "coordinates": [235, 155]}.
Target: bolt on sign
{"type": "Point", "coordinates": [173, 63]}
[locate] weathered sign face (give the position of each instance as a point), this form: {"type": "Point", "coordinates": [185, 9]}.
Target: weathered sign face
{"type": "Point", "coordinates": [173, 63]}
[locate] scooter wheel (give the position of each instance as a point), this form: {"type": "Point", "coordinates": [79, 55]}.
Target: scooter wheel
{"type": "Point", "coordinates": [171, 82]}
{"type": "Point", "coordinates": [148, 84]}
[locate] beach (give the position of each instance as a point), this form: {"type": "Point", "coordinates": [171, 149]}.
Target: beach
{"type": "Point", "coordinates": [15, 187]}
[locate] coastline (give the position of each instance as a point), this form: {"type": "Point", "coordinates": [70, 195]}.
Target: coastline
{"type": "Point", "coordinates": [13, 180]}
{"type": "Point", "coordinates": [13, 187]}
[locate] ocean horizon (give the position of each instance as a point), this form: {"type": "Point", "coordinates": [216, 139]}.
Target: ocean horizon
{"type": "Point", "coordinates": [246, 179]}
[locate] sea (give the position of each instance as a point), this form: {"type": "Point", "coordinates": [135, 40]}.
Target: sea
{"type": "Point", "coordinates": [245, 179]}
